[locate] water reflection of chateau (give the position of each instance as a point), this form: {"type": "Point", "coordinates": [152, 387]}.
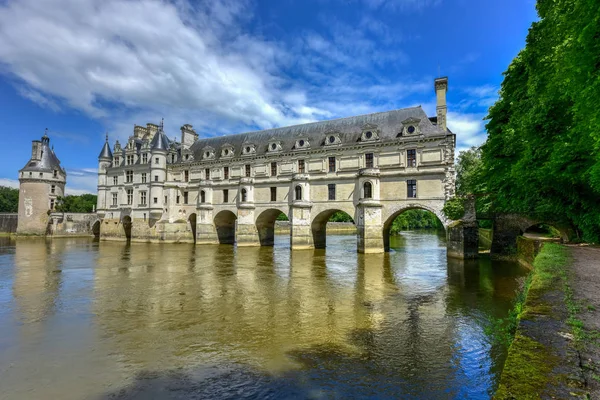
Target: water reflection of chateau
{"type": "Point", "coordinates": [172, 306]}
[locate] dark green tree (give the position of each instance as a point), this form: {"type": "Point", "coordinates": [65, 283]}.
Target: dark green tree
{"type": "Point", "coordinates": [84, 203]}
{"type": "Point", "coordinates": [9, 199]}
{"type": "Point", "coordinates": [542, 155]}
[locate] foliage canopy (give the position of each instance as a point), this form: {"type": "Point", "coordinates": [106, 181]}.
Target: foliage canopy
{"type": "Point", "coordinates": [9, 199]}
{"type": "Point", "coordinates": [542, 155]}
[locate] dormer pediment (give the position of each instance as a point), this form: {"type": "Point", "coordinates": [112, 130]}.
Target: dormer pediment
{"type": "Point", "coordinates": [332, 138]}
{"type": "Point", "coordinates": [410, 126]}
{"type": "Point", "coordinates": [274, 145]}
{"type": "Point", "coordinates": [370, 133]}
{"type": "Point", "coordinates": [302, 143]}
{"type": "Point", "coordinates": [248, 149]}
{"type": "Point", "coordinates": [208, 153]}
{"type": "Point", "coordinates": [227, 150]}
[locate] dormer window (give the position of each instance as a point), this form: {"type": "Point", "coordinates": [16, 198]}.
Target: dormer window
{"type": "Point", "coordinates": [302, 144]}
{"type": "Point", "coordinates": [248, 149]}
{"type": "Point", "coordinates": [208, 153]}
{"type": "Point", "coordinates": [369, 133]}
{"type": "Point", "coordinates": [227, 151]}
{"type": "Point", "coordinates": [274, 146]}
{"type": "Point", "coordinates": [410, 126]}
{"type": "Point", "coordinates": [332, 138]}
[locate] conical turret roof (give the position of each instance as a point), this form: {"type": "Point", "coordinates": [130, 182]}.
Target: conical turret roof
{"type": "Point", "coordinates": [106, 153]}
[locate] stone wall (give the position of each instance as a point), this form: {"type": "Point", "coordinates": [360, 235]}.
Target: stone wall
{"type": "Point", "coordinates": [8, 223]}
{"type": "Point", "coordinates": [140, 230]}
{"type": "Point", "coordinates": [333, 228]}
{"type": "Point", "coordinates": [71, 224]}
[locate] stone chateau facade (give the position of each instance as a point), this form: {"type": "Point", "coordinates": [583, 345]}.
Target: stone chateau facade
{"type": "Point", "coordinates": [230, 189]}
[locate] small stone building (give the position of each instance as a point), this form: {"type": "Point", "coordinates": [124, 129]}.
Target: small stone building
{"type": "Point", "coordinates": [41, 181]}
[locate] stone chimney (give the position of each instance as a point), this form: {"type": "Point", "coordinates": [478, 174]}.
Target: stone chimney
{"type": "Point", "coordinates": [441, 87]}
{"type": "Point", "coordinates": [36, 150]}
{"type": "Point", "coordinates": [188, 136]}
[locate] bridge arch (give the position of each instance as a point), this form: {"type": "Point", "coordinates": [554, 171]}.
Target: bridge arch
{"type": "Point", "coordinates": [225, 226]}
{"type": "Point", "coordinates": [318, 224]}
{"type": "Point", "coordinates": [96, 228]}
{"type": "Point", "coordinates": [265, 225]}
{"type": "Point", "coordinates": [387, 225]}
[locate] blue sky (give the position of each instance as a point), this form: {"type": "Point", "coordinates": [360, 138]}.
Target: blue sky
{"type": "Point", "coordinates": [82, 68]}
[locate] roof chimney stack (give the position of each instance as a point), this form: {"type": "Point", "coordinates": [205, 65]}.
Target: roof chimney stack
{"type": "Point", "coordinates": [441, 87]}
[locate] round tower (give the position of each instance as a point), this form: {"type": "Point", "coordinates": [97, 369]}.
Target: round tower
{"type": "Point", "coordinates": [41, 182]}
{"type": "Point", "coordinates": [159, 147]}
{"type": "Point", "coordinates": [104, 162]}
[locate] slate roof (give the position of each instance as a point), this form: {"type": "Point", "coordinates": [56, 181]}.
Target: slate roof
{"type": "Point", "coordinates": [106, 153]}
{"type": "Point", "coordinates": [160, 141]}
{"type": "Point", "coordinates": [48, 163]}
{"type": "Point", "coordinates": [388, 123]}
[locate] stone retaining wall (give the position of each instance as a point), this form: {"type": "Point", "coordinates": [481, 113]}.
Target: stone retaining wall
{"type": "Point", "coordinates": [8, 223]}
{"type": "Point", "coordinates": [71, 224]}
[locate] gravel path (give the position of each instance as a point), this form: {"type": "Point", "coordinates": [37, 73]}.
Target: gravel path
{"type": "Point", "coordinates": [585, 282]}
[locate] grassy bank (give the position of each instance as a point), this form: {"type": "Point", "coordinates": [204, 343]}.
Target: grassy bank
{"type": "Point", "coordinates": [544, 323]}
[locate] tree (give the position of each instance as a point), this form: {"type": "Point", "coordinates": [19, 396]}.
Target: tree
{"type": "Point", "coordinates": [84, 203]}
{"type": "Point", "coordinates": [542, 155]}
{"type": "Point", "coordinates": [468, 169]}
{"type": "Point", "coordinates": [9, 199]}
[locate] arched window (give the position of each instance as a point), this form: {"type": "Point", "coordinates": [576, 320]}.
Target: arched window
{"type": "Point", "coordinates": [298, 192]}
{"type": "Point", "coordinates": [202, 197]}
{"type": "Point", "coordinates": [244, 195]}
{"type": "Point", "coordinates": [368, 190]}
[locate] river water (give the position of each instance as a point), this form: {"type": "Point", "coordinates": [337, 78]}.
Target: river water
{"type": "Point", "coordinates": [95, 320]}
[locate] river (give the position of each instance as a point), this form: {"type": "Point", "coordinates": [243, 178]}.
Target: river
{"type": "Point", "coordinates": [81, 319]}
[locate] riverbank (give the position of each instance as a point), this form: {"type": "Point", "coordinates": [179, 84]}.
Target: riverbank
{"type": "Point", "coordinates": [555, 352]}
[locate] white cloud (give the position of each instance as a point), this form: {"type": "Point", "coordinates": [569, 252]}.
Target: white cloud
{"type": "Point", "coordinates": [12, 183]}
{"type": "Point", "coordinates": [469, 129]}
{"type": "Point", "coordinates": [149, 57]}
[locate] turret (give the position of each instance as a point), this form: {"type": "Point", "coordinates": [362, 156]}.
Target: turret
{"type": "Point", "coordinates": [104, 161]}
{"type": "Point", "coordinates": [41, 181]}
{"type": "Point", "coordinates": [159, 147]}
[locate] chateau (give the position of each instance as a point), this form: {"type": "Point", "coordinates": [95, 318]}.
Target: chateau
{"type": "Point", "coordinates": [232, 188]}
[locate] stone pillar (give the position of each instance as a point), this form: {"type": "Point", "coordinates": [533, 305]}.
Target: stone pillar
{"type": "Point", "coordinates": [246, 233]}
{"type": "Point", "coordinates": [206, 232]}
{"type": "Point", "coordinates": [369, 224]}
{"type": "Point", "coordinates": [301, 235]}
{"type": "Point", "coordinates": [463, 235]}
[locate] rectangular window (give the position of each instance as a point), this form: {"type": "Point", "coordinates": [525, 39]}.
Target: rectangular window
{"type": "Point", "coordinates": [186, 176]}
{"type": "Point", "coordinates": [155, 178]}
{"type": "Point", "coordinates": [115, 180]}
{"type": "Point", "coordinates": [145, 158]}
{"type": "Point", "coordinates": [128, 176]}
{"type": "Point", "coordinates": [207, 173]}
{"type": "Point", "coordinates": [248, 170]}
{"type": "Point", "coordinates": [115, 199]}
{"type": "Point", "coordinates": [331, 164]}
{"type": "Point", "coordinates": [117, 162]}
{"type": "Point", "coordinates": [129, 197]}
{"type": "Point", "coordinates": [225, 196]}
{"type": "Point", "coordinates": [185, 197]}
{"type": "Point", "coordinates": [155, 200]}
{"type": "Point", "coordinates": [177, 199]}
{"type": "Point", "coordinates": [369, 160]}
{"type": "Point", "coordinates": [273, 169]}
{"type": "Point", "coordinates": [411, 186]}
{"type": "Point", "coordinates": [225, 172]}
{"type": "Point", "coordinates": [156, 161]}
{"type": "Point", "coordinates": [52, 204]}
{"type": "Point", "coordinates": [273, 194]}
{"type": "Point", "coordinates": [143, 177]}
{"type": "Point", "coordinates": [331, 191]}
{"type": "Point", "coordinates": [55, 174]}
{"type": "Point", "coordinates": [130, 160]}
{"type": "Point", "coordinates": [165, 199]}
{"type": "Point", "coordinates": [53, 189]}
{"type": "Point", "coordinates": [41, 174]}
{"type": "Point", "coordinates": [143, 198]}
{"type": "Point", "coordinates": [411, 158]}
{"type": "Point", "coordinates": [300, 166]}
